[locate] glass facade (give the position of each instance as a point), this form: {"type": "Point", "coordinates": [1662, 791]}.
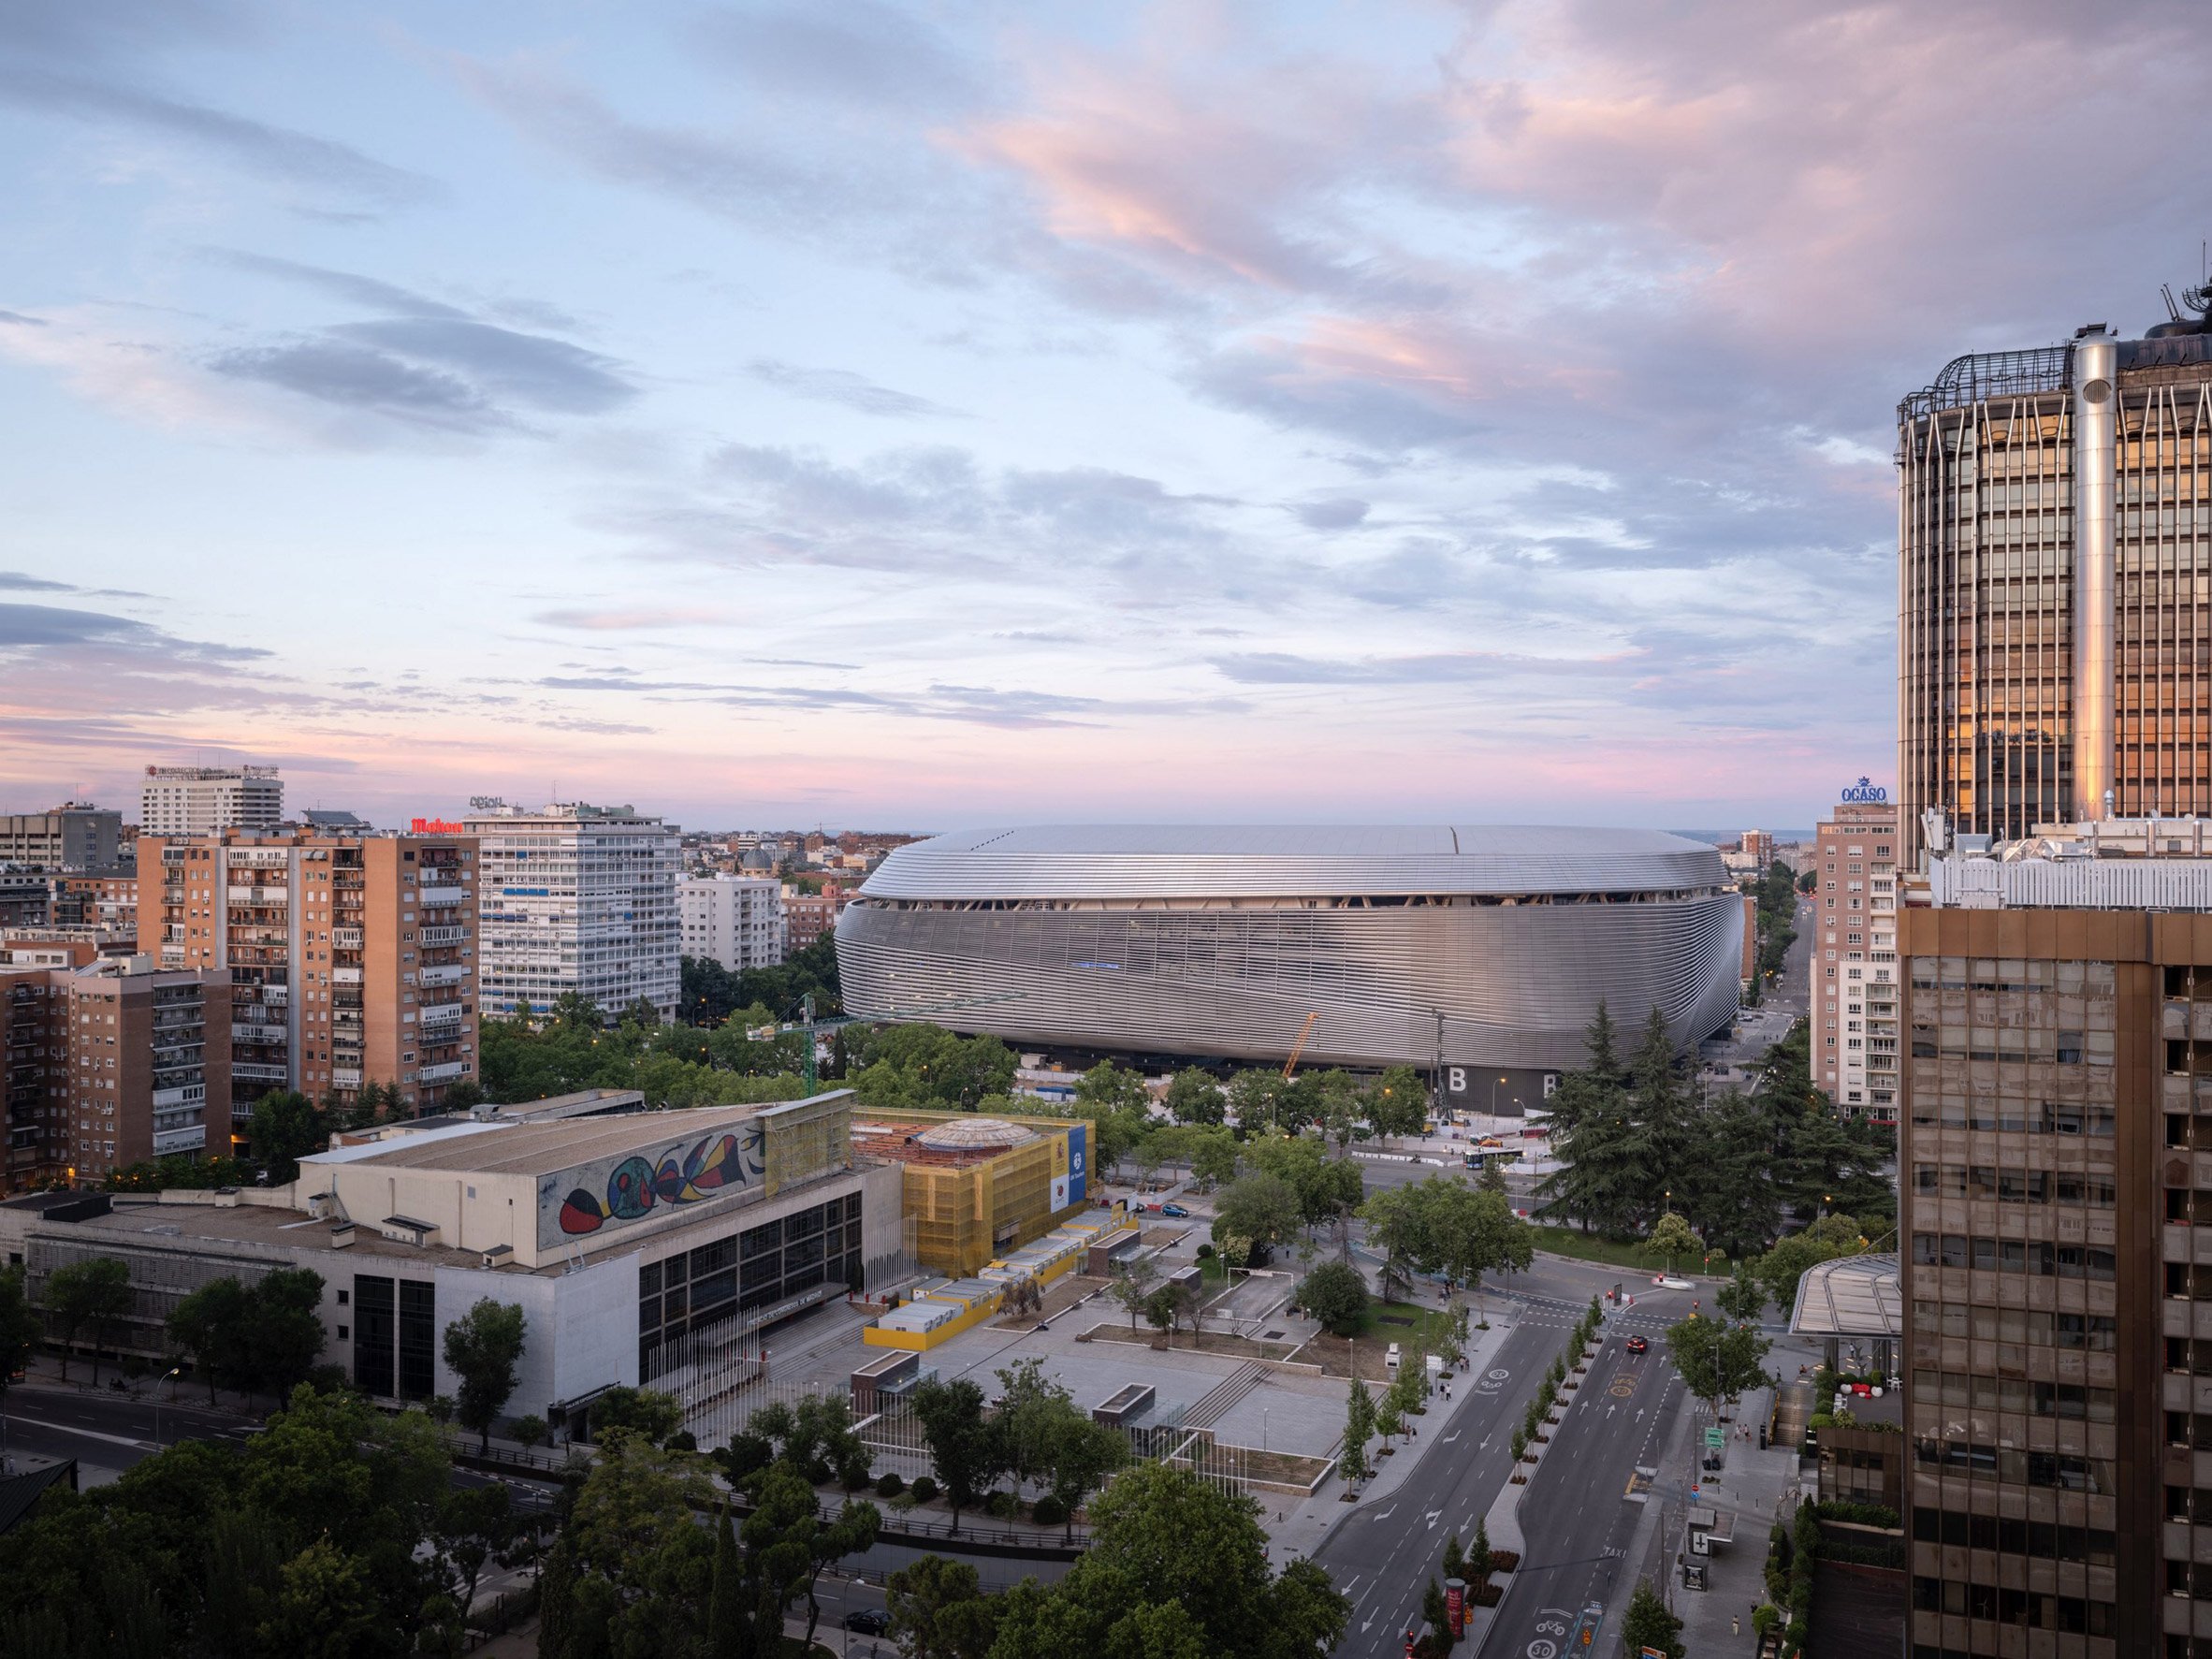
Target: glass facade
{"type": "Point", "coordinates": [1986, 590]}
{"type": "Point", "coordinates": [755, 1267]}
{"type": "Point", "coordinates": [395, 1337]}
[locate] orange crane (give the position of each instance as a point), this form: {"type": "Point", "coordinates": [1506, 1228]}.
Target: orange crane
{"type": "Point", "coordinates": [1298, 1048]}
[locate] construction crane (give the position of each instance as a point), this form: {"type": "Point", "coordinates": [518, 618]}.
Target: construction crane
{"type": "Point", "coordinates": [813, 1027]}
{"type": "Point", "coordinates": [1298, 1048]}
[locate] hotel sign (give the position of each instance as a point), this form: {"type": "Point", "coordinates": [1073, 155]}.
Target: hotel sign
{"type": "Point", "coordinates": [1866, 794]}
{"type": "Point", "coordinates": [435, 827]}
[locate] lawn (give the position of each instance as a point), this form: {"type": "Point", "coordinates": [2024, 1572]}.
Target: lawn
{"type": "Point", "coordinates": [1589, 1246]}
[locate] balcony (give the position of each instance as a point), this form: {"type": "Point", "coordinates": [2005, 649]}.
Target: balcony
{"type": "Point", "coordinates": [345, 976]}
{"type": "Point", "coordinates": [259, 1036]}
{"type": "Point", "coordinates": [442, 936]}
{"type": "Point", "coordinates": [443, 892]}
{"type": "Point", "coordinates": [260, 895]}
{"type": "Point", "coordinates": [343, 1078]}
{"type": "Point", "coordinates": [254, 1071]}
{"type": "Point", "coordinates": [346, 939]}
{"type": "Point", "coordinates": [448, 973]}
{"type": "Point", "coordinates": [194, 1139]}
{"type": "Point", "coordinates": [445, 1072]}
{"type": "Point", "coordinates": [191, 1094]}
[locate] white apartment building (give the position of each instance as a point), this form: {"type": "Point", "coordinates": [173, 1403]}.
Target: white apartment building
{"type": "Point", "coordinates": [1853, 955]}
{"type": "Point", "coordinates": [576, 898]}
{"type": "Point", "coordinates": [201, 800]}
{"type": "Point", "coordinates": [736, 921]}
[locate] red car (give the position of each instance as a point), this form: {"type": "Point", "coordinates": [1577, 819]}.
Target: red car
{"type": "Point", "coordinates": [1637, 1344]}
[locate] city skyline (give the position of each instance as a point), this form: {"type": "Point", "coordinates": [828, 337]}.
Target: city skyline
{"type": "Point", "coordinates": [946, 416]}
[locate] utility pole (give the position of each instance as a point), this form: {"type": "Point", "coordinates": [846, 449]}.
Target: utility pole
{"type": "Point", "coordinates": [1440, 1013]}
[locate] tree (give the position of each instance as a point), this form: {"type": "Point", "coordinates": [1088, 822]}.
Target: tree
{"type": "Point", "coordinates": [1647, 1624]}
{"type": "Point", "coordinates": [19, 1330]}
{"type": "Point", "coordinates": [1194, 1097]}
{"type": "Point", "coordinates": [1743, 1298]}
{"type": "Point", "coordinates": [476, 1524]}
{"type": "Point", "coordinates": [1782, 1267]}
{"type": "Point", "coordinates": [1132, 1285]}
{"type": "Point", "coordinates": [1080, 1455]}
{"type": "Point", "coordinates": [1398, 1102]}
{"type": "Point", "coordinates": [939, 1610]}
{"type": "Point", "coordinates": [1175, 1568]}
{"type": "Point", "coordinates": [637, 1566]}
{"type": "Point", "coordinates": [1214, 1157]}
{"type": "Point", "coordinates": [528, 1430]}
{"type": "Point", "coordinates": [95, 1293]}
{"type": "Point", "coordinates": [285, 1128]}
{"type": "Point", "coordinates": [483, 1349]}
{"type": "Point", "coordinates": [1491, 1178]}
{"type": "Point", "coordinates": [281, 1337]}
{"type": "Point", "coordinates": [1256, 1097]}
{"type": "Point", "coordinates": [1336, 1295]}
{"type": "Point", "coordinates": [965, 1453]}
{"type": "Point", "coordinates": [1399, 1224]}
{"type": "Point", "coordinates": [1670, 1236]}
{"type": "Point", "coordinates": [1717, 1360]}
{"type": "Point", "coordinates": [816, 1437]}
{"type": "Point", "coordinates": [1358, 1428]}
{"type": "Point", "coordinates": [1168, 1307]}
{"type": "Point", "coordinates": [647, 1413]}
{"type": "Point", "coordinates": [1478, 1564]}
{"type": "Point", "coordinates": [1256, 1212]}
{"type": "Point", "coordinates": [1436, 1615]}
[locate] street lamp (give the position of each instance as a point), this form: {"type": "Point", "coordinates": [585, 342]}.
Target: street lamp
{"type": "Point", "coordinates": [170, 1375]}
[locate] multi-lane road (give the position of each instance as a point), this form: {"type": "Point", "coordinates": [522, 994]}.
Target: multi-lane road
{"type": "Point", "coordinates": [1578, 1515]}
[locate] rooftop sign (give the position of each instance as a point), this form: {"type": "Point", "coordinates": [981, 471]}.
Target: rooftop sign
{"type": "Point", "coordinates": [1866, 794]}
{"type": "Point", "coordinates": [435, 827]}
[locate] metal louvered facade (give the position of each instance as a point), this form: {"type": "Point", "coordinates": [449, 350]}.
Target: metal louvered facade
{"type": "Point", "coordinates": [1220, 941]}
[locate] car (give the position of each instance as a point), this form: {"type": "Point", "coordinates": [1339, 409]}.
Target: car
{"type": "Point", "coordinates": [1637, 1344]}
{"type": "Point", "coordinates": [867, 1622]}
{"type": "Point", "coordinates": [1175, 1210]}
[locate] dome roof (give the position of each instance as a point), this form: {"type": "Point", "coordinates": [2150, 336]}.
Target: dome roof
{"type": "Point", "coordinates": [973, 1134]}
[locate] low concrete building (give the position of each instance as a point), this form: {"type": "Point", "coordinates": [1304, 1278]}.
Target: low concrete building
{"type": "Point", "coordinates": [633, 1244]}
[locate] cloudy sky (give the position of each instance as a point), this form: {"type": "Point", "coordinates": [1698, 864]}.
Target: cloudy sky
{"type": "Point", "coordinates": [932, 414]}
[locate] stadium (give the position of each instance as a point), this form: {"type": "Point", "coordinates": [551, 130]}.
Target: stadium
{"type": "Point", "coordinates": [1486, 947]}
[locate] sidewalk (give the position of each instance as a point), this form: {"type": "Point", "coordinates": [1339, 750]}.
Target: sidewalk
{"type": "Point", "coordinates": [1754, 1487]}
{"type": "Point", "coordinates": [1299, 1527]}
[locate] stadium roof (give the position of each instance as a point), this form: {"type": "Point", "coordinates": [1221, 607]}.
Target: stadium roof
{"type": "Point", "coordinates": [1177, 861]}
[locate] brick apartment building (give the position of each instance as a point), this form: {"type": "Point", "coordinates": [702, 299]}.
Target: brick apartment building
{"type": "Point", "coordinates": [106, 901]}
{"type": "Point", "coordinates": [352, 958]}
{"type": "Point", "coordinates": [807, 916]}
{"type": "Point", "coordinates": [110, 1063]}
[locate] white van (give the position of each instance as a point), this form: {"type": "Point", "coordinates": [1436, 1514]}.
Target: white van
{"type": "Point", "coordinates": [1390, 1359]}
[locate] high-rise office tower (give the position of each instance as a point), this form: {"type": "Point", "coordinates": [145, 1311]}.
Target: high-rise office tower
{"type": "Point", "coordinates": [1853, 960]}
{"type": "Point", "coordinates": [578, 899]}
{"type": "Point", "coordinates": [201, 800]}
{"type": "Point", "coordinates": [2055, 583]}
{"type": "Point", "coordinates": [352, 958]}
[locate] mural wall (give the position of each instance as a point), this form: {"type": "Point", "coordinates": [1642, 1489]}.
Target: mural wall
{"type": "Point", "coordinates": [614, 1191]}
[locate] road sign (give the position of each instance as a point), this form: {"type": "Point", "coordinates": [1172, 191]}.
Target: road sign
{"type": "Point", "coordinates": [1716, 1439]}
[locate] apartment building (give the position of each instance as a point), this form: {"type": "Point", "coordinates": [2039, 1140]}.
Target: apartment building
{"type": "Point", "coordinates": [1853, 961]}
{"type": "Point", "coordinates": [110, 1063]}
{"type": "Point", "coordinates": [807, 916]}
{"type": "Point", "coordinates": [578, 899]}
{"type": "Point", "coordinates": [75, 835]}
{"type": "Point", "coordinates": [203, 800]}
{"type": "Point", "coordinates": [352, 958]}
{"type": "Point", "coordinates": [736, 921]}
{"type": "Point", "coordinates": [105, 901]}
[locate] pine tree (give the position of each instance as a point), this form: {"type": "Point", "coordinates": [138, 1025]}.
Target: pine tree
{"type": "Point", "coordinates": [724, 1622]}
{"type": "Point", "coordinates": [1358, 1428]}
{"type": "Point", "coordinates": [1455, 1564]}
{"type": "Point", "coordinates": [1477, 1569]}
{"type": "Point", "coordinates": [1648, 1625]}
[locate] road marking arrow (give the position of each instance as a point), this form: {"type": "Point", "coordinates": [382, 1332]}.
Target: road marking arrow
{"type": "Point", "coordinates": [1385, 1514]}
{"type": "Point", "coordinates": [1433, 1514]}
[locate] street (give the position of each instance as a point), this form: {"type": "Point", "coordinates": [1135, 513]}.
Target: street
{"type": "Point", "coordinates": [1576, 1515]}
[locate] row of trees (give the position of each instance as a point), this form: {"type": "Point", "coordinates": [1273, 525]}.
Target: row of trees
{"type": "Point", "coordinates": [1176, 1567]}
{"type": "Point", "coordinates": [1634, 1141]}
{"type": "Point", "coordinates": [711, 992]}
{"type": "Point", "coordinates": [336, 1532]}
{"type": "Point", "coordinates": [1776, 892]}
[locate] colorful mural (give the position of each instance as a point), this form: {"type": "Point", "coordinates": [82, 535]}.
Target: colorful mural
{"type": "Point", "coordinates": [677, 1175]}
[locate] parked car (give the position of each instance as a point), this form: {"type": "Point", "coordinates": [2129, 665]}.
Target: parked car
{"type": "Point", "coordinates": [1637, 1344]}
{"type": "Point", "coordinates": [1175, 1210]}
{"type": "Point", "coordinates": [867, 1622]}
